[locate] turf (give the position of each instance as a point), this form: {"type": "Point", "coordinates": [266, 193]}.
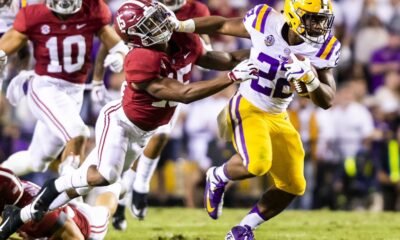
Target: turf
{"type": "Point", "coordinates": [194, 224]}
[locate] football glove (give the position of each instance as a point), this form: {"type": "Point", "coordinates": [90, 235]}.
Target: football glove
{"type": "Point", "coordinates": [115, 61]}
{"type": "Point", "coordinates": [245, 70]}
{"type": "Point", "coordinates": [3, 60]}
{"type": "Point", "coordinates": [299, 70]}
{"type": "Point", "coordinates": [99, 94]}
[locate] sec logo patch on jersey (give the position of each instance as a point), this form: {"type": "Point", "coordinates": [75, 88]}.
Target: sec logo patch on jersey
{"type": "Point", "coordinates": [269, 40]}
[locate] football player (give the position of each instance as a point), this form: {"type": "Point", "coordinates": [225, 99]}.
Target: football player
{"type": "Point", "coordinates": [147, 162]}
{"type": "Point", "coordinates": [73, 221]}
{"type": "Point", "coordinates": [62, 33]}
{"type": "Point", "coordinates": [157, 72]}
{"type": "Point", "coordinates": [265, 140]}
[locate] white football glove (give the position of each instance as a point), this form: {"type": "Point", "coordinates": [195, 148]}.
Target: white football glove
{"type": "Point", "coordinates": [115, 61]}
{"type": "Point", "coordinates": [3, 60]}
{"type": "Point", "coordinates": [99, 93]}
{"type": "Point", "coordinates": [299, 70]}
{"type": "Point", "coordinates": [244, 71]}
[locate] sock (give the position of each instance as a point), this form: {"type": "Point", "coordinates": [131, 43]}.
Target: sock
{"type": "Point", "coordinates": [144, 172]}
{"type": "Point", "coordinates": [76, 179]}
{"type": "Point", "coordinates": [253, 218]}
{"type": "Point", "coordinates": [222, 173]}
{"type": "Point", "coordinates": [61, 200]}
{"type": "Point", "coordinates": [19, 163]}
{"type": "Point", "coordinates": [25, 213]}
{"type": "Point", "coordinates": [128, 177]}
{"type": "Point", "coordinates": [70, 164]}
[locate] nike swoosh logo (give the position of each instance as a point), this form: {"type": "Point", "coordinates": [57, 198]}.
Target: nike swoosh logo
{"type": "Point", "coordinates": [209, 208]}
{"type": "Point", "coordinates": [186, 55]}
{"type": "Point", "coordinates": [4, 223]}
{"type": "Point", "coordinates": [79, 26]}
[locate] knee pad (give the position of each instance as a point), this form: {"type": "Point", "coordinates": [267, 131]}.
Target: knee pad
{"type": "Point", "coordinates": [297, 186]}
{"type": "Point", "coordinates": [259, 167]}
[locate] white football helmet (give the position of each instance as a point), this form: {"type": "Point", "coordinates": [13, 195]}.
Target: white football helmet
{"type": "Point", "coordinates": [64, 6]}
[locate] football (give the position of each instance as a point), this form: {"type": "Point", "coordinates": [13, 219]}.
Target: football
{"type": "Point", "coordinates": [298, 86]}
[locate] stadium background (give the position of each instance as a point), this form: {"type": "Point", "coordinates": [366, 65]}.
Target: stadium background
{"type": "Point", "coordinates": [352, 149]}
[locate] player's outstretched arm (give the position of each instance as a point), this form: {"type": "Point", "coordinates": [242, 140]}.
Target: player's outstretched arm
{"type": "Point", "coordinates": [172, 90]}
{"type": "Point", "coordinates": [222, 61]}
{"type": "Point", "coordinates": [213, 24]}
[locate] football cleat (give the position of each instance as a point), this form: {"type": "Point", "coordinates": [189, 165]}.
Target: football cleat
{"type": "Point", "coordinates": [11, 221]}
{"type": "Point", "coordinates": [119, 221]}
{"type": "Point", "coordinates": [139, 205]}
{"type": "Point", "coordinates": [42, 201]}
{"type": "Point", "coordinates": [214, 194]}
{"type": "Point", "coordinates": [240, 233]}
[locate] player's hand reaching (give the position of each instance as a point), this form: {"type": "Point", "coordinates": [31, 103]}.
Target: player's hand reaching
{"type": "Point", "coordinates": [300, 70]}
{"type": "Point", "coordinates": [3, 60]}
{"type": "Point", "coordinates": [115, 61]}
{"type": "Point", "coordinates": [244, 71]}
{"type": "Point", "coordinates": [180, 26]}
{"type": "Point", "coordinates": [99, 94]}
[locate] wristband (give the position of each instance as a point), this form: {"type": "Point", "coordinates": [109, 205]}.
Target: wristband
{"type": "Point", "coordinates": [186, 26]}
{"type": "Point", "coordinates": [314, 84]}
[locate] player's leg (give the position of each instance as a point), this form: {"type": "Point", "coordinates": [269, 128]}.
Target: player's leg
{"type": "Point", "coordinates": [251, 138]}
{"type": "Point", "coordinates": [111, 145]}
{"type": "Point", "coordinates": [286, 171]}
{"type": "Point", "coordinates": [146, 166]}
{"type": "Point", "coordinates": [45, 147]}
{"type": "Point", "coordinates": [57, 104]}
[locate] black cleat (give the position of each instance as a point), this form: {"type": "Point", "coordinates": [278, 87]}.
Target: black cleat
{"type": "Point", "coordinates": [139, 205]}
{"type": "Point", "coordinates": [43, 199]}
{"type": "Point", "coordinates": [11, 221]}
{"type": "Point", "coordinates": [119, 221]}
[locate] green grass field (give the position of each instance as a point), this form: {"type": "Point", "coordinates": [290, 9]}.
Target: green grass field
{"type": "Point", "coordinates": [189, 224]}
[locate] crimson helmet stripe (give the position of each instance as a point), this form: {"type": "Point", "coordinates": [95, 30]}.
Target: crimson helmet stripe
{"type": "Point", "coordinates": [16, 181]}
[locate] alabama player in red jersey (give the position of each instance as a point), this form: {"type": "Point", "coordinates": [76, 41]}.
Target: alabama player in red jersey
{"type": "Point", "coordinates": [157, 72]}
{"type": "Point", "coordinates": [138, 181]}
{"type": "Point", "coordinates": [62, 33]}
{"type": "Point", "coordinates": [73, 221]}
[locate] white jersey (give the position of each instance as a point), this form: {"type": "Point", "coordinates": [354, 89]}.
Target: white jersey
{"type": "Point", "coordinates": [272, 92]}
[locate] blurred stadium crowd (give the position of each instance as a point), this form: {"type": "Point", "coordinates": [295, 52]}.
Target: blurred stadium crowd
{"type": "Point", "coordinates": [353, 151]}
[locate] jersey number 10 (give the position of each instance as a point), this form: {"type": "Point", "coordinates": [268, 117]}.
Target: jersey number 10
{"type": "Point", "coordinates": [68, 65]}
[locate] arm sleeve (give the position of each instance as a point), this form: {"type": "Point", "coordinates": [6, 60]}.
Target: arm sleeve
{"type": "Point", "coordinates": [256, 18]}
{"type": "Point", "coordinates": [20, 21]}
{"type": "Point", "coordinates": [328, 55]}
{"type": "Point", "coordinates": [142, 65]}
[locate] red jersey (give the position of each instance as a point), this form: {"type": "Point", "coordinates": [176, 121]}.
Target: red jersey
{"type": "Point", "coordinates": [192, 9]}
{"type": "Point", "coordinates": [143, 65]}
{"type": "Point", "coordinates": [62, 47]}
{"type": "Point", "coordinates": [51, 221]}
